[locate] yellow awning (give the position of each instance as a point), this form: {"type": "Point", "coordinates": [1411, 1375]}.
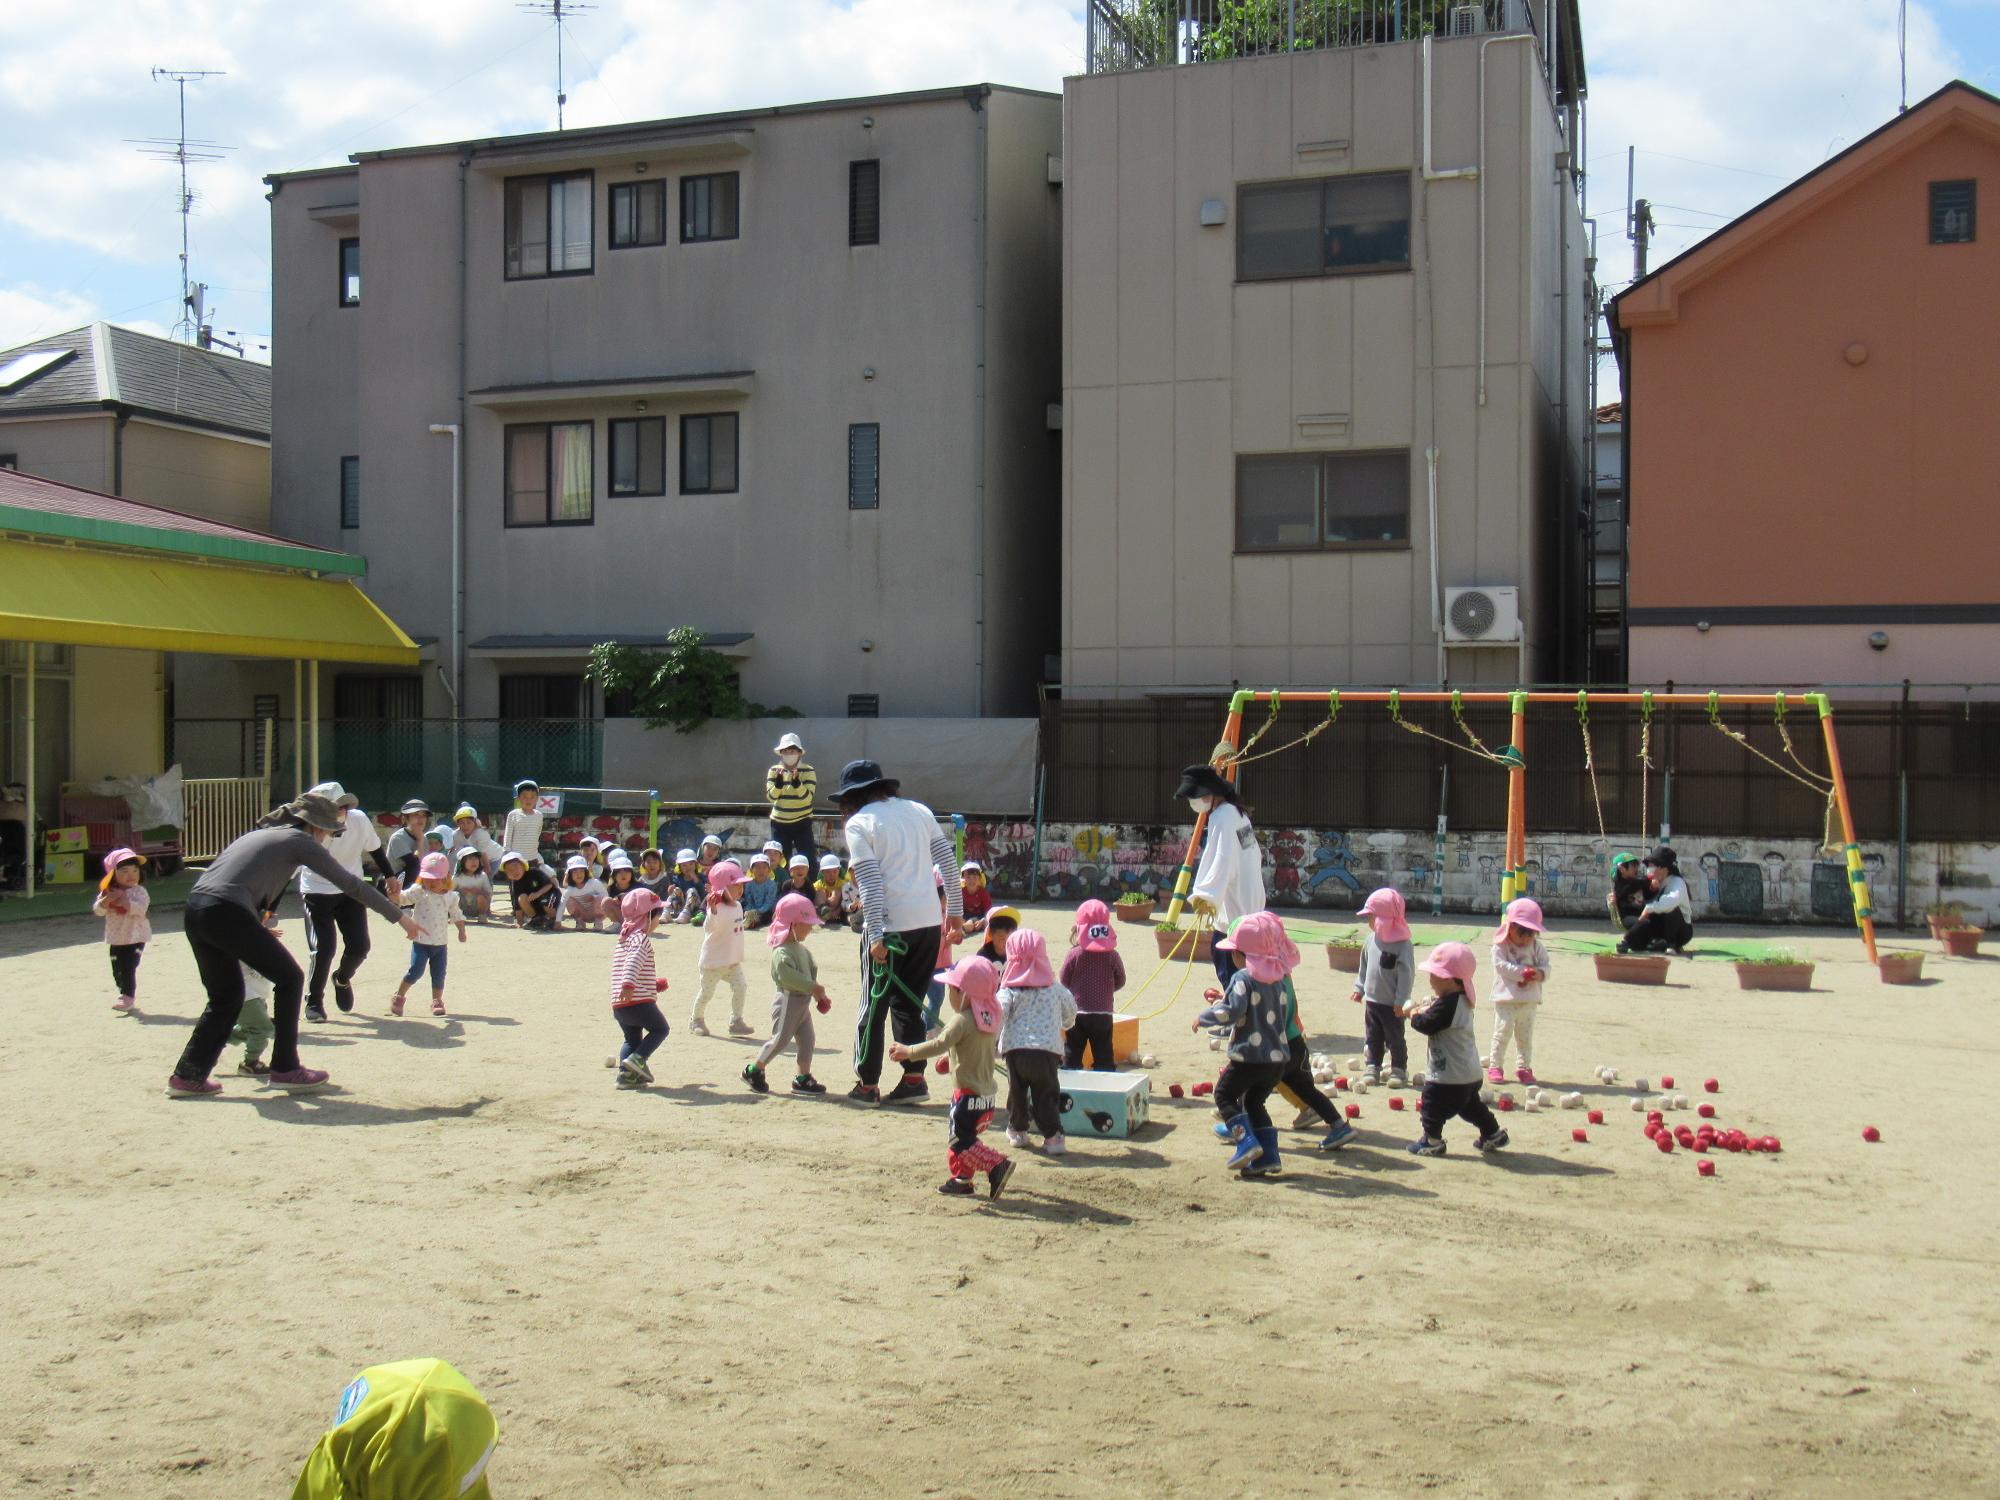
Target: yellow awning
{"type": "Point", "coordinates": [75, 596]}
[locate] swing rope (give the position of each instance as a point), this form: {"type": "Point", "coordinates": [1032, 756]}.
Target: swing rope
{"type": "Point", "coordinates": [1509, 758]}
{"type": "Point", "coordinates": [1223, 750]}
{"type": "Point", "coordinates": [1590, 763]}
{"type": "Point", "coordinates": [1811, 780]}
{"type": "Point", "coordinates": [1192, 935]}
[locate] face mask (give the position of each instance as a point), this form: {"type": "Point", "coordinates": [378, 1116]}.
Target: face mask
{"type": "Point", "coordinates": [789, 757]}
{"type": "Point", "coordinates": [1199, 804]}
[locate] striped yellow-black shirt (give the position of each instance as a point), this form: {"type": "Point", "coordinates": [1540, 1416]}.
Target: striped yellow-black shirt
{"type": "Point", "coordinates": [790, 793]}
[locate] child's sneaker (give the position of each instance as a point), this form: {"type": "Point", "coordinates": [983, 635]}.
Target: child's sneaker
{"type": "Point", "coordinates": [698, 1026]}
{"type": "Point", "coordinates": [192, 1088]}
{"type": "Point", "coordinates": [1341, 1134]}
{"type": "Point", "coordinates": [1397, 1079]}
{"type": "Point", "coordinates": [1495, 1075]}
{"type": "Point", "coordinates": [1371, 1072]}
{"type": "Point", "coordinates": [437, 1006]}
{"type": "Point", "coordinates": [1305, 1120]}
{"type": "Point", "coordinates": [741, 1027]}
{"type": "Point", "coordinates": [1494, 1141]}
{"type": "Point", "coordinates": [865, 1093]}
{"type": "Point", "coordinates": [124, 1005]}
{"type": "Point", "coordinates": [1055, 1144]}
{"type": "Point", "coordinates": [996, 1180]}
{"type": "Point", "coordinates": [629, 1080]}
{"type": "Point", "coordinates": [958, 1187]}
{"type": "Point", "coordinates": [1425, 1146]}
{"type": "Point", "coordinates": [805, 1083]}
{"type": "Point", "coordinates": [634, 1067]}
{"type": "Point", "coordinates": [1524, 1075]}
{"type": "Point", "coordinates": [396, 1006]}
{"type": "Point", "coordinates": [1017, 1138]}
{"type": "Point", "coordinates": [911, 1088]}
{"type": "Point", "coordinates": [343, 994]}
{"type": "Point", "coordinates": [754, 1076]}
{"type": "Point", "coordinates": [254, 1067]}
{"type": "Point", "coordinates": [316, 1013]}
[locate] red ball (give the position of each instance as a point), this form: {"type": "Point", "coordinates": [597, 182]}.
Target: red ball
{"type": "Point", "coordinates": [1684, 1135]}
{"type": "Point", "coordinates": [944, 1065]}
{"type": "Point", "coordinates": [1771, 1145]}
{"type": "Point", "coordinates": [1666, 1080]}
{"type": "Point", "coordinates": [1701, 1143]}
{"type": "Point", "coordinates": [1503, 1105]}
{"type": "Point", "coordinates": [1655, 1116]}
{"type": "Point", "coordinates": [1396, 1102]}
{"type": "Point", "coordinates": [1711, 1085]}
{"type": "Point", "coordinates": [1202, 1090]}
{"type": "Point", "coordinates": [1706, 1111]}
{"type": "Point", "coordinates": [1705, 1168]}
{"type": "Point", "coordinates": [1175, 1091]}
{"type": "Point", "coordinates": [1353, 1111]}
{"type": "Point", "coordinates": [1665, 1142]}
{"type": "Point", "coordinates": [1596, 1117]}
{"type": "Point", "coordinates": [1579, 1134]}
{"type": "Point", "coordinates": [1654, 1130]}
{"type": "Point", "coordinates": [1733, 1141]}
{"type": "Point", "coordinates": [1870, 1134]}
{"type": "Point", "coordinates": [1340, 1082]}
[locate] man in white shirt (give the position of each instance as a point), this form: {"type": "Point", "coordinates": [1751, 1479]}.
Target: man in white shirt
{"type": "Point", "coordinates": [332, 914]}
{"type": "Point", "coordinates": [896, 851]}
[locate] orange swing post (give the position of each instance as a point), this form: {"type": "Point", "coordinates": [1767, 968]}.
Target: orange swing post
{"type": "Point", "coordinates": [1857, 875]}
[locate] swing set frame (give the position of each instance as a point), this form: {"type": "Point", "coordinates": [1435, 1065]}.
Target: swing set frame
{"type": "Point", "coordinates": [1230, 754]}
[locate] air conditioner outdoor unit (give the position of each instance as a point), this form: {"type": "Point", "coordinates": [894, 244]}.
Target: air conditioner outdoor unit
{"type": "Point", "coordinates": [1482, 616]}
{"type": "Point", "coordinates": [1466, 20]}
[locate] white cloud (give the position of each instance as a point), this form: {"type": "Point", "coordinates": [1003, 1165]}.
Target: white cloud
{"type": "Point", "coordinates": [29, 312]}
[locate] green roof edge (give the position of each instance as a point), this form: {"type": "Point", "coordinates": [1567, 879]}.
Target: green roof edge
{"type": "Point", "coordinates": [223, 548]}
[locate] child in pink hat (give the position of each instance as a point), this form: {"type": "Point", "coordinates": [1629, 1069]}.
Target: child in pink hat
{"type": "Point", "coordinates": [796, 978]}
{"type": "Point", "coordinates": [722, 948]}
{"type": "Point", "coordinates": [1035, 1010]}
{"type": "Point", "coordinates": [1452, 1088]}
{"type": "Point", "coordinates": [434, 909]}
{"type": "Point", "coordinates": [1383, 982]}
{"type": "Point", "coordinates": [1253, 1008]}
{"type": "Point", "coordinates": [1520, 964]}
{"type": "Point", "coordinates": [636, 988]}
{"type": "Point", "coordinates": [122, 902]}
{"type": "Point", "coordinates": [1093, 972]}
{"type": "Point", "coordinates": [971, 1036]}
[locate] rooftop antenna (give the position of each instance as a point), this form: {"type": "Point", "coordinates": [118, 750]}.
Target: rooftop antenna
{"type": "Point", "coordinates": [180, 150]}
{"type": "Point", "coordinates": [561, 11]}
{"type": "Point", "coordinates": [1903, 54]}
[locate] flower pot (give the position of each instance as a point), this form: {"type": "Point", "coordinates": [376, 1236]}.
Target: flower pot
{"type": "Point", "coordinates": [1901, 968]}
{"type": "Point", "coordinates": [1133, 911]}
{"type": "Point", "coordinates": [1174, 943]}
{"type": "Point", "coordinates": [1961, 942]}
{"type": "Point", "coordinates": [1632, 968]}
{"type": "Point", "coordinates": [1792, 977]}
{"type": "Point", "coordinates": [1344, 958]}
{"type": "Point", "coordinates": [1940, 925]}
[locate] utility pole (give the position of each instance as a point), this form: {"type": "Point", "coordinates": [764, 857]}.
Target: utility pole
{"type": "Point", "coordinates": [560, 11]}
{"type": "Point", "coordinates": [180, 150]}
{"type": "Point", "coordinates": [1642, 229]}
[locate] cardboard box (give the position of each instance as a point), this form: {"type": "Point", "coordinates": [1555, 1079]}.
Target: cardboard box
{"type": "Point", "coordinates": [65, 840]}
{"type": "Point", "coordinates": [1104, 1106]}
{"type": "Point", "coordinates": [63, 869]}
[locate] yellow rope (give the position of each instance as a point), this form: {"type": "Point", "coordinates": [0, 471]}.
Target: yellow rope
{"type": "Point", "coordinates": [1192, 935]}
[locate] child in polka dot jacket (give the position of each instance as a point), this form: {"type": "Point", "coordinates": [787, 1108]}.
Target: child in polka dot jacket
{"type": "Point", "coordinates": [1253, 1007]}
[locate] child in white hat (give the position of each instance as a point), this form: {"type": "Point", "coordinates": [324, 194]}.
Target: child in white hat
{"type": "Point", "coordinates": [760, 892]}
{"type": "Point", "coordinates": [582, 894]}
{"type": "Point", "coordinates": [683, 893]}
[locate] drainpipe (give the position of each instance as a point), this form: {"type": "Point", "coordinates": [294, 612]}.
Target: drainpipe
{"type": "Point", "coordinates": [976, 99]}
{"type": "Point", "coordinates": [118, 451]}
{"type": "Point", "coordinates": [440, 429]}
{"type": "Point", "coordinates": [34, 834]}
{"type": "Point", "coordinates": [1437, 595]}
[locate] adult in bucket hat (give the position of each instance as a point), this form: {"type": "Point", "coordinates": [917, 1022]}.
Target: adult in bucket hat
{"type": "Point", "coordinates": [335, 921]}
{"type": "Point", "coordinates": [897, 853]}
{"type": "Point", "coordinates": [1229, 882]}
{"type": "Point", "coordinates": [791, 787]}
{"type": "Point", "coordinates": [412, 1430]}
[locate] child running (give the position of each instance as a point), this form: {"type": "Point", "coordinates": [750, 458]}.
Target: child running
{"type": "Point", "coordinates": [434, 909]}
{"type": "Point", "coordinates": [636, 988]}
{"type": "Point", "coordinates": [722, 948]}
{"type": "Point", "coordinates": [1452, 1087]}
{"type": "Point", "coordinates": [1520, 964]}
{"type": "Point", "coordinates": [1094, 973]}
{"type": "Point", "coordinates": [798, 991]}
{"type": "Point", "coordinates": [1382, 983]}
{"type": "Point", "coordinates": [122, 901]}
{"type": "Point", "coordinates": [969, 1037]}
{"type": "Point", "coordinates": [1035, 1010]}
{"type": "Point", "coordinates": [1253, 1008]}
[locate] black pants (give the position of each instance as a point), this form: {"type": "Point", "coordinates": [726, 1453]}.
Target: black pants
{"type": "Point", "coordinates": [223, 937]}
{"type": "Point", "coordinates": [1225, 964]}
{"type": "Point", "coordinates": [1243, 1088]}
{"type": "Point", "coordinates": [328, 917]}
{"type": "Point", "coordinates": [125, 966]}
{"type": "Point", "coordinates": [897, 998]}
{"type": "Point", "coordinates": [644, 1027]}
{"type": "Point", "coordinates": [1667, 929]}
{"type": "Point", "coordinates": [1034, 1092]}
{"type": "Point", "coordinates": [1092, 1029]}
{"type": "Point", "coordinates": [1461, 1101]}
{"type": "Point", "coordinates": [1299, 1079]}
{"type": "Point", "coordinates": [1386, 1034]}
{"type": "Point", "coordinates": [797, 838]}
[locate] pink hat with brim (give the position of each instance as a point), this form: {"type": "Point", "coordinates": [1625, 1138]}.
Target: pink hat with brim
{"type": "Point", "coordinates": [1454, 961]}
{"type": "Point", "coordinates": [1094, 933]}
{"type": "Point", "coordinates": [1386, 907]}
{"type": "Point", "coordinates": [635, 908]}
{"type": "Point", "coordinates": [977, 980]}
{"type": "Point", "coordinates": [1027, 961]}
{"type": "Point", "coordinates": [434, 867]}
{"type": "Point", "coordinates": [791, 911]}
{"type": "Point", "coordinates": [1269, 953]}
{"type": "Point", "coordinates": [723, 874]}
{"type": "Point", "coordinates": [1523, 912]}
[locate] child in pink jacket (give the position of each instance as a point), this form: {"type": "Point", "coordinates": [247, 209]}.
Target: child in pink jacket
{"type": "Point", "coordinates": [122, 902]}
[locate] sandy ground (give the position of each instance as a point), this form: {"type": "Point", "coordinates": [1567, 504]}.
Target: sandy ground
{"type": "Point", "coordinates": [694, 1290]}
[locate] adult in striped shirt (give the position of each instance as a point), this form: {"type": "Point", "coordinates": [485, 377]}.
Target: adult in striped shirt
{"type": "Point", "coordinates": [791, 787]}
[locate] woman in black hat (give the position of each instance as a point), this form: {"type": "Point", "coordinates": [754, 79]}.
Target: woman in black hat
{"type": "Point", "coordinates": [1667, 920]}
{"type": "Point", "coordinates": [1229, 883]}
{"type": "Point", "coordinates": [896, 851]}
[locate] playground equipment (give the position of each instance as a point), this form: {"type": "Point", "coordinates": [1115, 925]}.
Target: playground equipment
{"type": "Point", "coordinates": [1233, 752]}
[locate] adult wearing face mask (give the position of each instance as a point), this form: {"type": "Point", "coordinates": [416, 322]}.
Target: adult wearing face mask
{"type": "Point", "coordinates": [791, 786]}
{"type": "Point", "coordinates": [1229, 883]}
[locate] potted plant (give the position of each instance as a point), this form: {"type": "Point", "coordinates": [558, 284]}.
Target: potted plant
{"type": "Point", "coordinates": [1901, 968]}
{"type": "Point", "coordinates": [1780, 969]}
{"type": "Point", "coordinates": [1632, 968]}
{"type": "Point", "coordinates": [1943, 916]}
{"type": "Point", "coordinates": [1343, 951]}
{"type": "Point", "coordinates": [1961, 942]}
{"type": "Point", "coordinates": [1174, 942]}
{"type": "Point", "coordinates": [1134, 906]}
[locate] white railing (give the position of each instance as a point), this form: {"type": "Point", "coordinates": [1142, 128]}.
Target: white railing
{"type": "Point", "coordinates": [1122, 35]}
{"type": "Point", "coordinates": [218, 810]}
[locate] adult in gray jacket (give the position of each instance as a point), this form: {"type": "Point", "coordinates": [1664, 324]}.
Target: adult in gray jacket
{"type": "Point", "coordinates": [225, 934]}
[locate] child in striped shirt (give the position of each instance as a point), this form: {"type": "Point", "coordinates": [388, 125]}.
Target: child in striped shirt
{"type": "Point", "coordinates": [635, 989]}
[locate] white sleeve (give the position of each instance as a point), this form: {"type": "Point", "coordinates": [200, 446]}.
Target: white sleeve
{"type": "Point", "coordinates": [1217, 872]}
{"type": "Point", "coordinates": [370, 838]}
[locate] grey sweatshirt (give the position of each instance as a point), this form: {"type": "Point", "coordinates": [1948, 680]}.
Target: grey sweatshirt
{"type": "Point", "coordinates": [1386, 971]}
{"type": "Point", "coordinates": [1447, 1021]}
{"type": "Point", "coordinates": [265, 859]}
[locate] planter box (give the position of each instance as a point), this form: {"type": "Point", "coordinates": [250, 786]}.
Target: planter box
{"type": "Point", "coordinates": [1201, 950]}
{"type": "Point", "coordinates": [1792, 977]}
{"type": "Point", "coordinates": [1901, 968]}
{"type": "Point", "coordinates": [1961, 942]}
{"type": "Point", "coordinates": [1345, 960]}
{"type": "Point", "coordinates": [1133, 911]}
{"type": "Point", "coordinates": [1632, 968]}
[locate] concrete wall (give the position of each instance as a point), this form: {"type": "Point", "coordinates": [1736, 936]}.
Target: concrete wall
{"type": "Point", "coordinates": [1172, 367]}
{"type": "Point", "coordinates": [206, 473]}
{"type": "Point", "coordinates": [1941, 654]}
{"type": "Point", "coordinates": [70, 450]}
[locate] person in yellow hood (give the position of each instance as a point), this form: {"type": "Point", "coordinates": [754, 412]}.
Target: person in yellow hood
{"type": "Point", "coordinates": [412, 1430]}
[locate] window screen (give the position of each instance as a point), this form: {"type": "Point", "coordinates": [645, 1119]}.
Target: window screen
{"type": "Point", "coordinates": [548, 474]}
{"type": "Point", "coordinates": [1322, 502]}
{"type": "Point", "coordinates": [708, 207]}
{"type": "Point", "coordinates": [864, 466]}
{"type": "Point", "coordinates": [548, 225]}
{"type": "Point", "coordinates": [350, 273]}
{"type": "Point", "coordinates": [639, 456]}
{"type": "Point", "coordinates": [350, 492]}
{"type": "Point", "coordinates": [1954, 212]}
{"type": "Point", "coordinates": [864, 202]}
{"type": "Point", "coordinates": [1323, 227]}
{"type": "Point", "coordinates": [708, 454]}
{"type": "Point", "coordinates": [638, 214]}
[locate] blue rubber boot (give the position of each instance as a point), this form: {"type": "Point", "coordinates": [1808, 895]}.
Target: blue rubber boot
{"type": "Point", "coordinates": [1223, 1133]}
{"type": "Point", "coordinates": [1266, 1165]}
{"type": "Point", "coordinates": [1248, 1147]}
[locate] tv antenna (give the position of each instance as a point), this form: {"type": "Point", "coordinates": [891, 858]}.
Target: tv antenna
{"type": "Point", "coordinates": [560, 11]}
{"type": "Point", "coordinates": [180, 150]}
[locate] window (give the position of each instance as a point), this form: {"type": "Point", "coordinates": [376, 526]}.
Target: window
{"type": "Point", "coordinates": [549, 225]}
{"type": "Point", "coordinates": [708, 207]}
{"type": "Point", "coordinates": [1954, 212]}
{"type": "Point", "coordinates": [548, 477]}
{"type": "Point", "coordinates": [864, 466]}
{"type": "Point", "coordinates": [10, 460]}
{"type": "Point", "coordinates": [1324, 227]}
{"type": "Point", "coordinates": [544, 695]}
{"type": "Point", "coordinates": [350, 273]}
{"type": "Point", "coordinates": [1323, 502]}
{"type": "Point", "coordinates": [708, 454]}
{"type": "Point", "coordinates": [864, 203]}
{"type": "Point", "coordinates": [864, 706]}
{"type": "Point", "coordinates": [350, 492]}
{"type": "Point", "coordinates": [638, 214]}
{"type": "Point", "coordinates": [639, 456]}
{"type": "Point", "coordinates": [368, 696]}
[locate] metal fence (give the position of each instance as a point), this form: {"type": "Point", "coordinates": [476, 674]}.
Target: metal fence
{"type": "Point", "coordinates": [1918, 770]}
{"type": "Point", "coordinates": [1122, 35]}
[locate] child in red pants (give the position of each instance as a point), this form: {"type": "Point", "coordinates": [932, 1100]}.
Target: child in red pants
{"type": "Point", "coordinates": [971, 1036]}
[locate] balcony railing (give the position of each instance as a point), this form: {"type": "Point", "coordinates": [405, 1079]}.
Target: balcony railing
{"type": "Point", "coordinates": [1124, 35]}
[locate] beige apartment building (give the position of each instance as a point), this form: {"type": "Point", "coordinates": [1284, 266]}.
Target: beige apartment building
{"type": "Point", "coordinates": [1327, 315]}
{"type": "Point", "coordinates": [785, 376]}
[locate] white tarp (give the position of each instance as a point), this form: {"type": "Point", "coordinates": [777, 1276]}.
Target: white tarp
{"type": "Point", "coordinates": [155, 801]}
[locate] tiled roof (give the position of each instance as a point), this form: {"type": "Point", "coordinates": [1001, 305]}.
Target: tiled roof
{"type": "Point", "coordinates": [1613, 411]}
{"type": "Point", "coordinates": [111, 366]}
{"type": "Point", "coordinates": [30, 492]}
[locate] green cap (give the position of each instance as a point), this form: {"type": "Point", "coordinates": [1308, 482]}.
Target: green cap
{"type": "Point", "coordinates": [413, 1430]}
{"type": "Point", "coordinates": [1623, 857]}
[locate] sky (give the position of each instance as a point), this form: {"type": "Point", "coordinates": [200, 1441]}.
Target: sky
{"type": "Point", "coordinates": [1724, 100]}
